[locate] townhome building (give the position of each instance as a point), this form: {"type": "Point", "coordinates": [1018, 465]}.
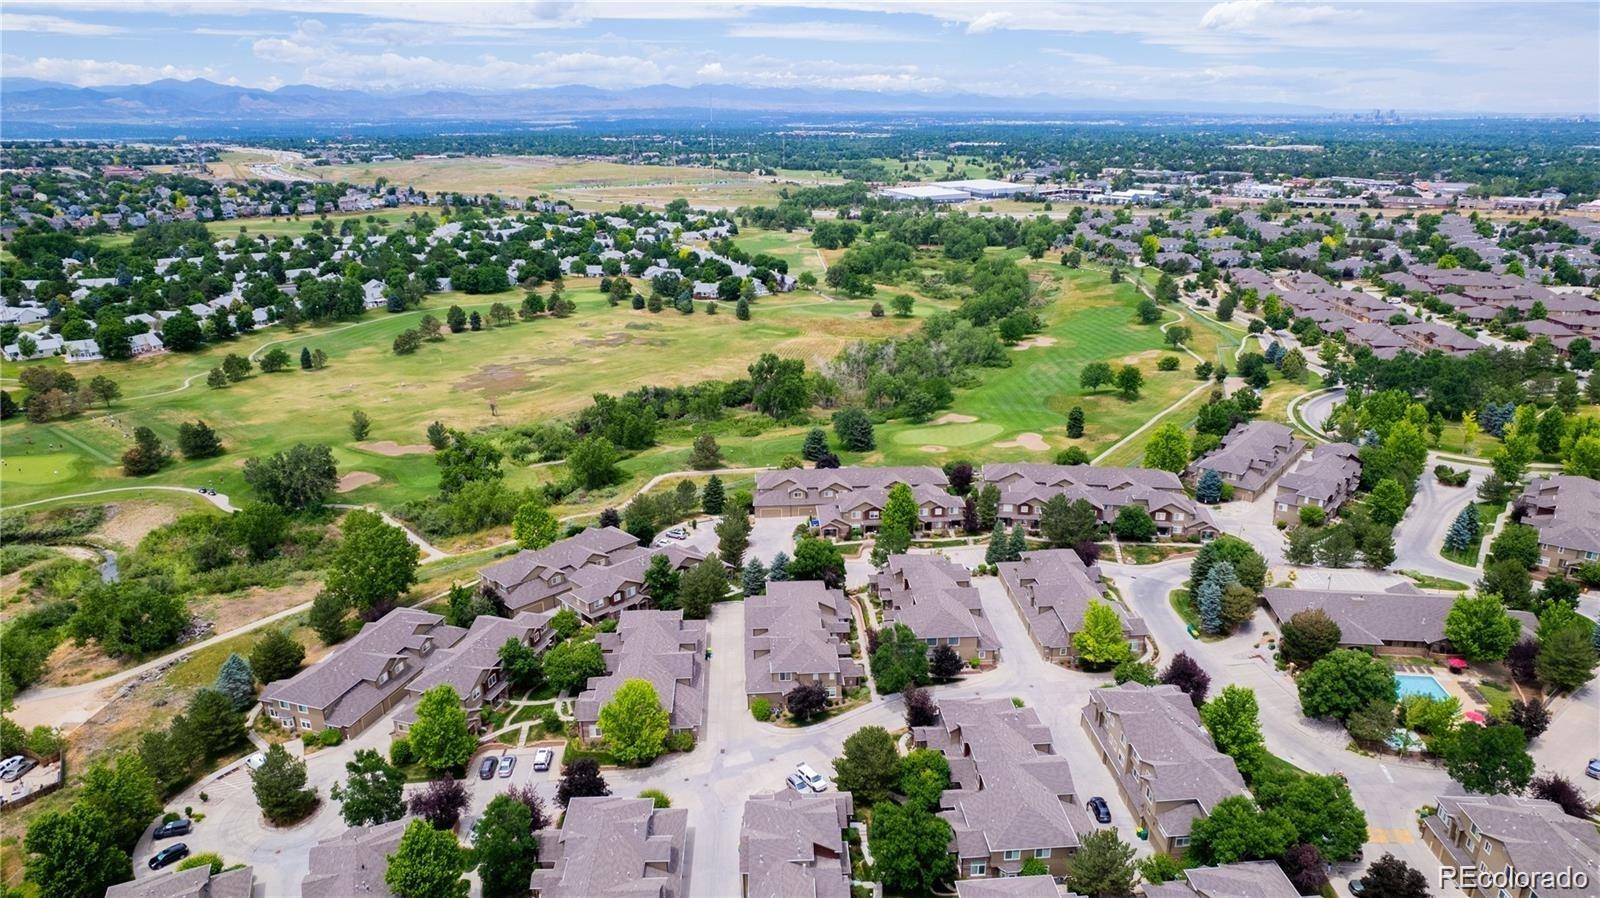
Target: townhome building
{"type": "Point", "coordinates": [363, 679]}
{"type": "Point", "coordinates": [472, 666]}
{"type": "Point", "coordinates": [1025, 487]}
{"type": "Point", "coordinates": [658, 646]}
{"type": "Point", "coordinates": [1525, 837]}
{"type": "Point", "coordinates": [839, 500]}
{"type": "Point", "coordinates": [1563, 508]}
{"type": "Point", "coordinates": [792, 844]}
{"type": "Point", "coordinates": [1325, 477]}
{"type": "Point", "coordinates": [935, 597]}
{"type": "Point", "coordinates": [1052, 589]}
{"type": "Point", "coordinates": [799, 634]}
{"type": "Point", "coordinates": [195, 882]}
{"type": "Point", "coordinates": [1167, 768]}
{"type": "Point", "coordinates": [598, 573]}
{"type": "Point", "coordinates": [614, 846]}
{"type": "Point", "coordinates": [1246, 879]}
{"type": "Point", "coordinates": [1251, 457]}
{"type": "Point", "coordinates": [1012, 798]}
{"type": "Point", "coordinates": [1402, 620]}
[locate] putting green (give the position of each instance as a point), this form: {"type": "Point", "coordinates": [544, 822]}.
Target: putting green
{"type": "Point", "coordinates": [52, 467]}
{"type": "Point", "coordinates": [949, 434]}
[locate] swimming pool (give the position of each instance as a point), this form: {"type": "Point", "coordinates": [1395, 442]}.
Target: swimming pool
{"type": "Point", "coordinates": [1420, 684]}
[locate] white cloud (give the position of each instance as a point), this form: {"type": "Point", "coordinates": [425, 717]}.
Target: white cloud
{"type": "Point", "coordinates": [711, 70]}
{"type": "Point", "coordinates": [54, 25]}
{"type": "Point", "coordinates": [824, 32]}
{"type": "Point", "coordinates": [284, 50]}
{"type": "Point", "coordinates": [989, 21]}
{"type": "Point", "coordinates": [394, 71]}
{"type": "Point", "coordinates": [95, 72]}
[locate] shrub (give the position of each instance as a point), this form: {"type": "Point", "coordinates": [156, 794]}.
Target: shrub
{"type": "Point", "coordinates": [761, 709]}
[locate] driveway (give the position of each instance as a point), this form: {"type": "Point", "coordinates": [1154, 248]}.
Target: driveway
{"type": "Point", "coordinates": [1420, 534]}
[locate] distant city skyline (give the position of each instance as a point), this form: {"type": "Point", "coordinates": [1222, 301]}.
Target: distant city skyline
{"type": "Point", "coordinates": [1536, 58]}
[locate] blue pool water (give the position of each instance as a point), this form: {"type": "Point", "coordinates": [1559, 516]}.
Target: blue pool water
{"type": "Point", "coordinates": [1420, 684]}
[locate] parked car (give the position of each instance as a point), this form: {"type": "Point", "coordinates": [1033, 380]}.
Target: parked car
{"type": "Point", "coordinates": [508, 763]}
{"type": "Point", "coordinates": [1101, 810]}
{"type": "Point", "coordinates": [168, 855]}
{"type": "Point", "coordinates": [255, 761]}
{"type": "Point", "coordinates": [17, 772]}
{"type": "Point", "coordinates": [542, 759]}
{"type": "Point", "coordinates": [487, 767]}
{"type": "Point", "coordinates": [1357, 887]}
{"type": "Point", "coordinates": [677, 533]}
{"type": "Point", "coordinates": [179, 827]}
{"type": "Point", "coordinates": [813, 779]}
{"type": "Point", "coordinates": [1593, 770]}
{"type": "Point", "coordinates": [798, 783]}
{"type": "Point", "coordinates": [10, 764]}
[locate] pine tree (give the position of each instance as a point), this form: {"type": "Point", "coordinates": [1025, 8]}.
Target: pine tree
{"type": "Point", "coordinates": [1208, 599]}
{"type": "Point", "coordinates": [742, 310]}
{"type": "Point", "coordinates": [754, 580]}
{"type": "Point", "coordinates": [1464, 530]}
{"type": "Point", "coordinates": [237, 681]}
{"type": "Point", "coordinates": [1209, 490]}
{"type": "Point", "coordinates": [305, 358]}
{"type": "Point", "coordinates": [712, 498]}
{"type": "Point", "coordinates": [1018, 544]}
{"type": "Point", "coordinates": [779, 572]}
{"type": "Point", "coordinates": [1075, 422]}
{"type": "Point", "coordinates": [816, 445]}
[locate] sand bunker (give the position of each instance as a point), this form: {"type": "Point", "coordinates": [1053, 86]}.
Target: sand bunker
{"type": "Point", "coordinates": [1031, 441]}
{"type": "Point", "coordinates": [934, 449]}
{"type": "Point", "coordinates": [393, 449]}
{"type": "Point", "coordinates": [954, 418]}
{"type": "Point", "coordinates": [1036, 341]}
{"type": "Point", "coordinates": [356, 480]}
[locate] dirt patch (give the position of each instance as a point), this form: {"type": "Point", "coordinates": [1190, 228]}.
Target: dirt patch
{"type": "Point", "coordinates": [356, 480]}
{"type": "Point", "coordinates": [954, 418]}
{"type": "Point", "coordinates": [392, 449]}
{"type": "Point", "coordinates": [551, 361]}
{"type": "Point", "coordinates": [607, 340]}
{"type": "Point", "coordinates": [1036, 341]}
{"type": "Point", "coordinates": [1030, 441]}
{"type": "Point", "coordinates": [494, 380]}
{"type": "Point", "coordinates": [234, 611]}
{"type": "Point", "coordinates": [71, 664]}
{"type": "Point", "coordinates": [934, 449]}
{"type": "Point", "coordinates": [127, 523]}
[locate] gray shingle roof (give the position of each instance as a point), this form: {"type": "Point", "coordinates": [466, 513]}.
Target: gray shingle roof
{"type": "Point", "coordinates": [352, 864]}
{"type": "Point", "coordinates": [658, 646]}
{"type": "Point", "coordinates": [1053, 588]}
{"type": "Point", "coordinates": [935, 597]}
{"type": "Point", "coordinates": [613, 847]}
{"type": "Point", "coordinates": [1250, 879]}
{"type": "Point", "coordinates": [791, 845]}
{"type": "Point", "coordinates": [1563, 508]}
{"type": "Point", "coordinates": [196, 882]}
{"type": "Point", "coordinates": [1402, 614]}
{"type": "Point", "coordinates": [1011, 791]}
{"type": "Point", "coordinates": [798, 627]}
{"type": "Point", "coordinates": [1537, 836]}
{"type": "Point", "coordinates": [1251, 454]}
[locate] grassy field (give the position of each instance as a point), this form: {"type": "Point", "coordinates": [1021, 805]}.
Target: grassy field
{"type": "Point", "coordinates": [585, 183]}
{"type": "Point", "coordinates": [529, 371]}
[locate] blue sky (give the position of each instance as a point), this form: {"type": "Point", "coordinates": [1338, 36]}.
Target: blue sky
{"type": "Point", "coordinates": [1501, 57]}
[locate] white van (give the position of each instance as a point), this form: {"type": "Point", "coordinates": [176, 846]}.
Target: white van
{"type": "Point", "coordinates": [10, 764]}
{"type": "Point", "coordinates": [812, 778]}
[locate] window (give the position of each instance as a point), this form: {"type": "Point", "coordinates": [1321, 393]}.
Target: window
{"type": "Point", "coordinates": [1006, 507]}
{"type": "Point", "coordinates": [828, 493]}
{"type": "Point", "coordinates": [476, 693]}
{"type": "Point", "coordinates": [932, 642]}
{"type": "Point", "coordinates": [557, 578]}
{"type": "Point", "coordinates": [1013, 854]}
{"type": "Point", "coordinates": [1180, 842]}
{"type": "Point", "coordinates": [282, 703]}
{"type": "Point", "coordinates": [978, 868]}
{"type": "Point", "coordinates": [305, 724]}
{"type": "Point", "coordinates": [797, 494]}
{"type": "Point", "coordinates": [1041, 852]}
{"type": "Point", "coordinates": [1025, 509]}
{"type": "Point", "coordinates": [873, 514]}
{"type": "Point", "coordinates": [855, 515]}
{"type": "Point", "coordinates": [785, 676]}
{"type": "Point", "coordinates": [302, 709]}
{"type": "Point", "coordinates": [952, 640]}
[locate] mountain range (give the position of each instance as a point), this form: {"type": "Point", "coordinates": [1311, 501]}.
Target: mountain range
{"type": "Point", "coordinates": [31, 105]}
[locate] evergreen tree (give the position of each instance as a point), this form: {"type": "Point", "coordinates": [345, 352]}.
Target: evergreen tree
{"type": "Point", "coordinates": [1208, 601]}
{"type": "Point", "coordinates": [779, 571]}
{"type": "Point", "coordinates": [1017, 545]}
{"type": "Point", "coordinates": [712, 498]}
{"type": "Point", "coordinates": [816, 444]}
{"type": "Point", "coordinates": [741, 311]}
{"type": "Point", "coordinates": [236, 681]}
{"type": "Point", "coordinates": [276, 655]}
{"type": "Point", "coordinates": [998, 546]}
{"type": "Point", "coordinates": [1075, 422]}
{"type": "Point", "coordinates": [1208, 490]}
{"type": "Point", "coordinates": [754, 579]}
{"type": "Point", "coordinates": [1463, 532]}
